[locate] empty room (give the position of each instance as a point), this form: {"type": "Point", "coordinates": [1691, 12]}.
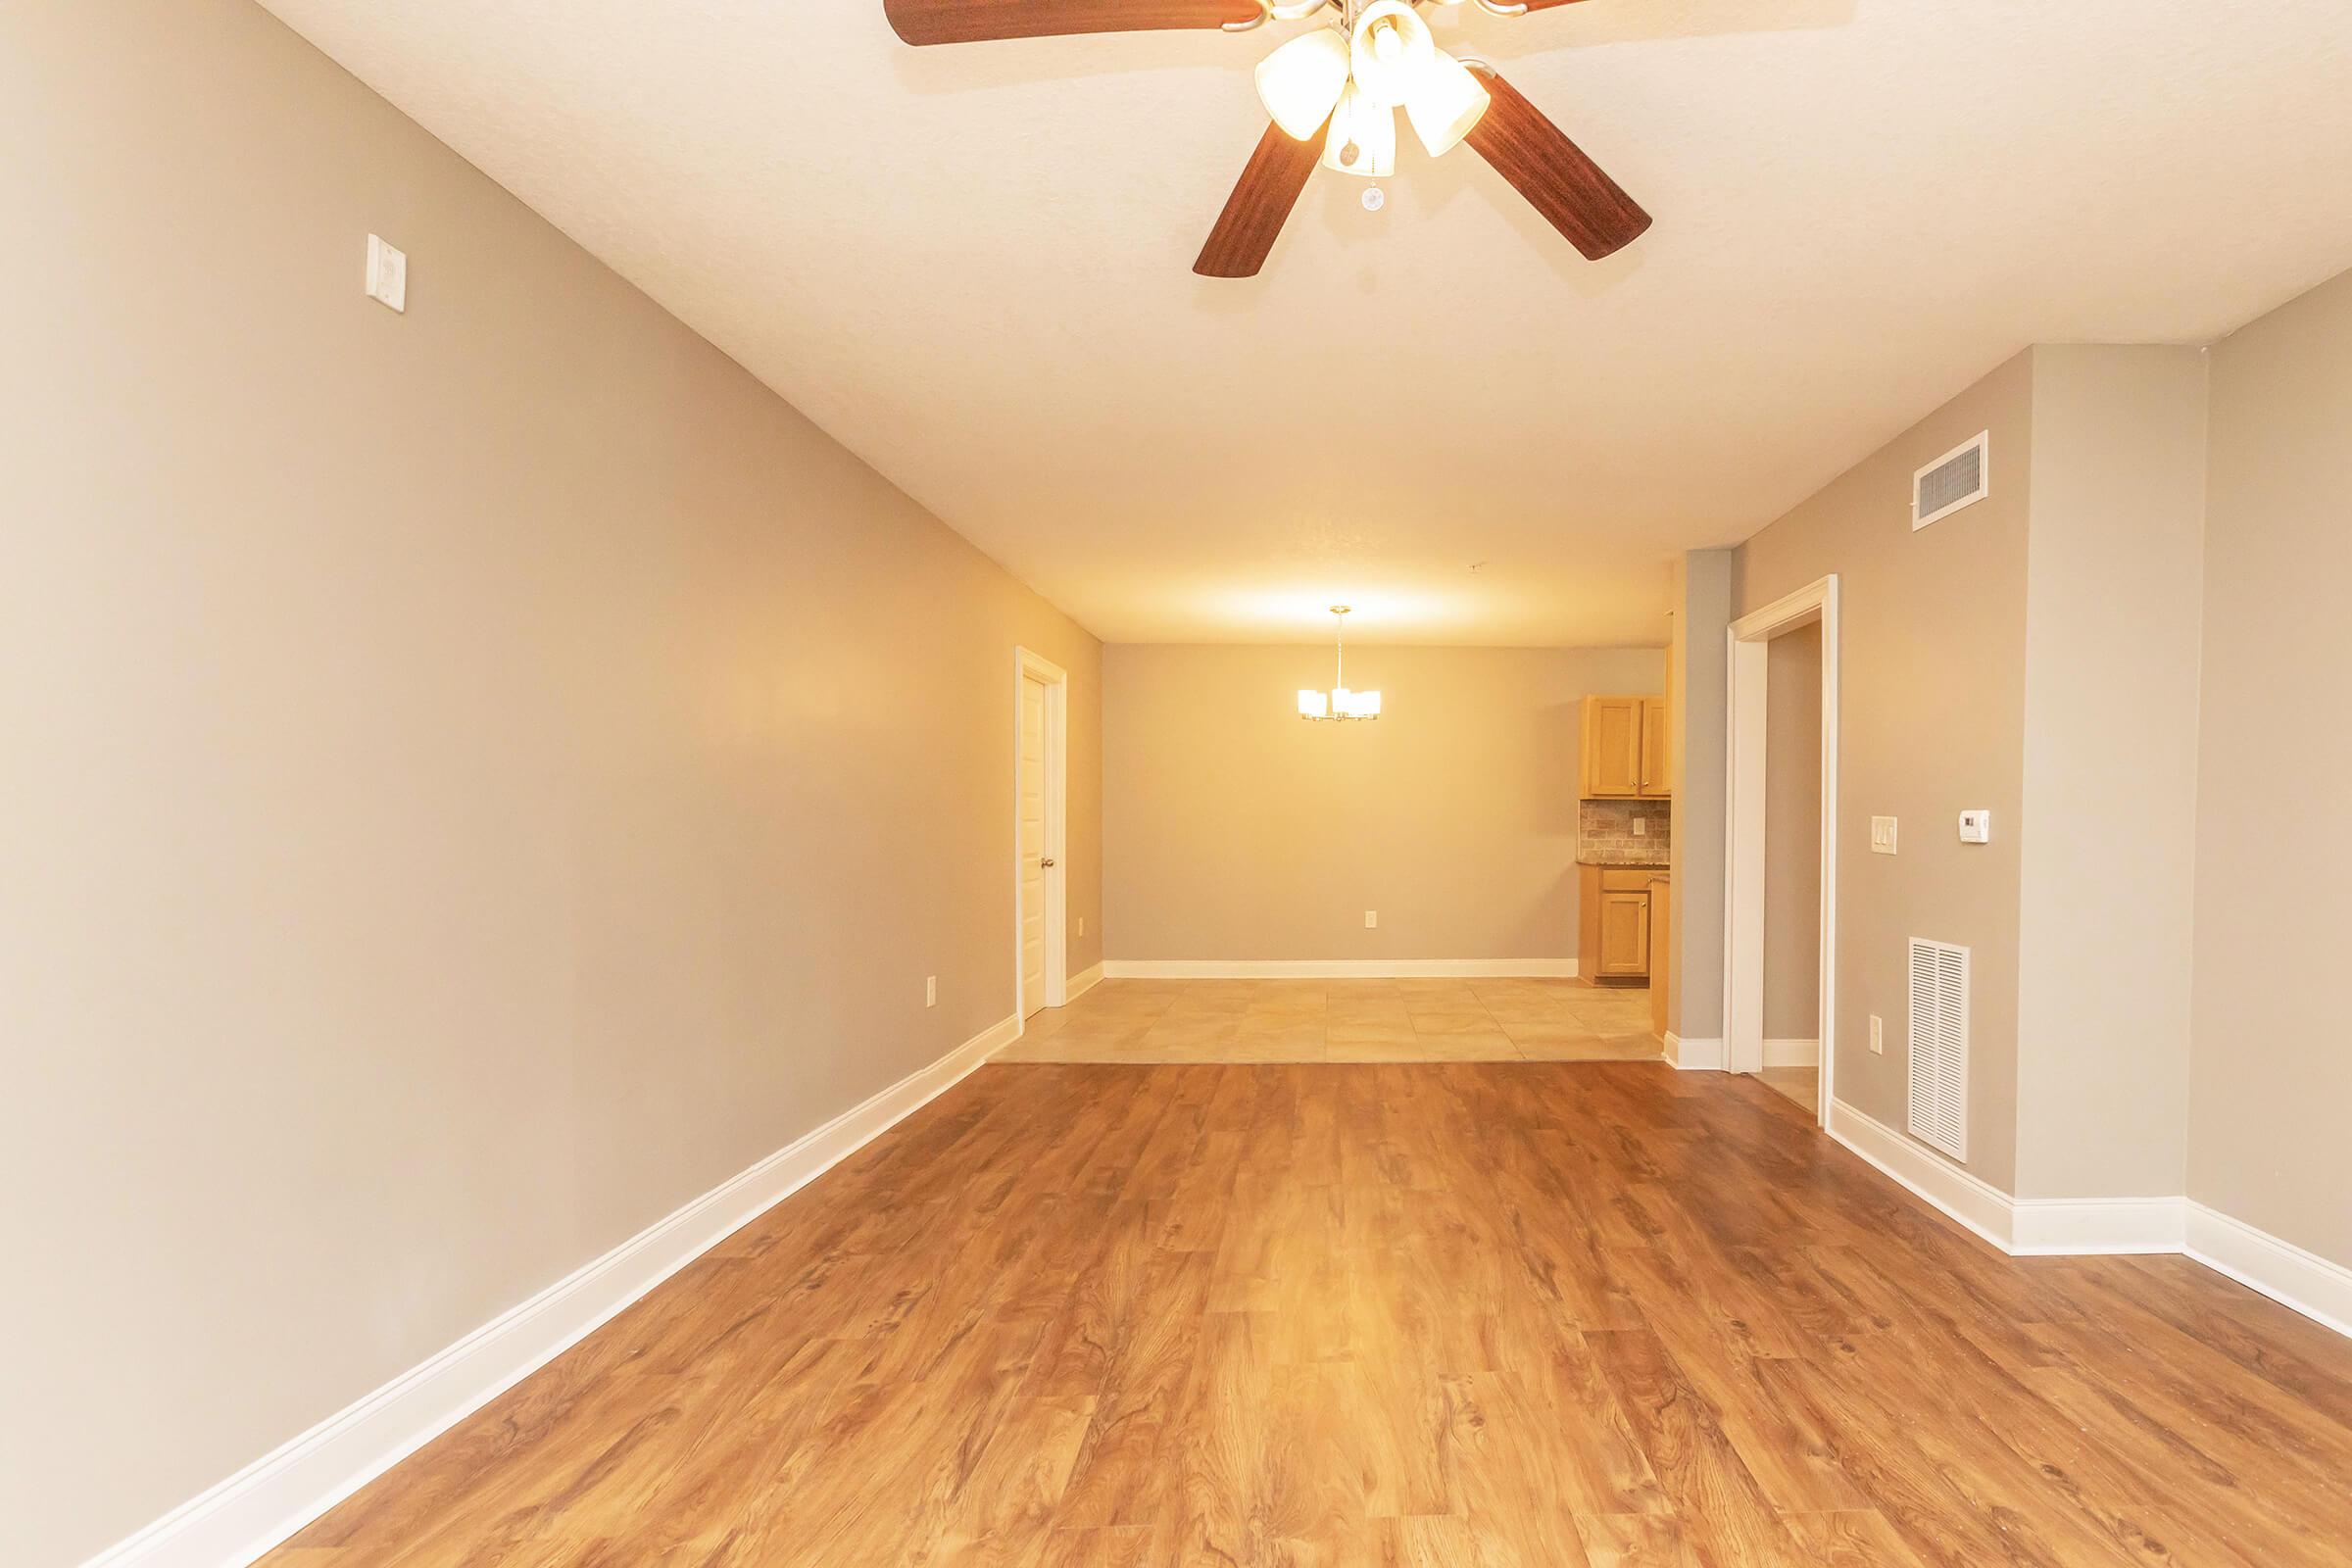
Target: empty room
{"type": "Point", "coordinates": [1175, 784]}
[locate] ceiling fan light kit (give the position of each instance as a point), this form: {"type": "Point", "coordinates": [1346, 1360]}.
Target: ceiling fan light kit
{"type": "Point", "coordinates": [1332, 97]}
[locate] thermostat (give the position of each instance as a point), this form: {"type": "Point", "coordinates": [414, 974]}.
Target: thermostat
{"type": "Point", "coordinates": [1976, 827]}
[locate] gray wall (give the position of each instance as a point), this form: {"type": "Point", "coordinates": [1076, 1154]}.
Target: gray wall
{"type": "Point", "coordinates": [2270, 1072]}
{"type": "Point", "coordinates": [2113, 576]}
{"type": "Point", "coordinates": [1792, 835]}
{"type": "Point", "coordinates": [1234, 829]}
{"type": "Point", "coordinates": [1697, 670]}
{"type": "Point", "coordinates": [475, 779]}
{"type": "Point", "coordinates": [1931, 673]}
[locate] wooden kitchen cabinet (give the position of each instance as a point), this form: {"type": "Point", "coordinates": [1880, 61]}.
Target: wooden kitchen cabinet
{"type": "Point", "coordinates": [1657, 736]}
{"type": "Point", "coordinates": [1626, 741]}
{"type": "Point", "coordinates": [1613, 925]}
{"type": "Point", "coordinates": [1624, 936]}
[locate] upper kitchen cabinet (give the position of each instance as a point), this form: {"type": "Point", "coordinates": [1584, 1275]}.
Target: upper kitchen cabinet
{"type": "Point", "coordinates": [1624, 748]}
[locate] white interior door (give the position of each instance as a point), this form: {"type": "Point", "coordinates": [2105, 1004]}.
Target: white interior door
{"type": "Point", "coordinates": [1034, 860]}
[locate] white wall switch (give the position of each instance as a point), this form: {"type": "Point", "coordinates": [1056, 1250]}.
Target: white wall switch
{"type": "Point", "coordinates": [1371, 919]}
{"type": "Point", "coordinates": [1081, 925]}
{"type": "Point", "coordinates": [387, 274]}
{"type": "Point", "coordinates": [1878, 1035]}
{"type": "Point", "coordinates": [1976, 827]}
{"type": "Point", "coordinates": [930, 991]}
{"type": "Point", "coordinates": [1881, 835]}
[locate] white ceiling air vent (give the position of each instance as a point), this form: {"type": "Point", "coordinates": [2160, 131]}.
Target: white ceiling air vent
{"type": "Point", "coordinates": [1939, 1046]}
{"type": "Point", "coordinates": [1961, 477]}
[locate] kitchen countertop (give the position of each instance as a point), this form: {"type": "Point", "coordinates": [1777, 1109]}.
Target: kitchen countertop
{"type": "Point", "coordinates": [1620, 862]}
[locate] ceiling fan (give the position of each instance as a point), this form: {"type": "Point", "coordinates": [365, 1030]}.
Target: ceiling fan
{"type": "Point", "coordinates": [1333, 95]}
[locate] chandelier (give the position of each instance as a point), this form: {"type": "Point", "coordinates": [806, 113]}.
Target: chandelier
{"type": "Point", "coordinates": [1338, 701]}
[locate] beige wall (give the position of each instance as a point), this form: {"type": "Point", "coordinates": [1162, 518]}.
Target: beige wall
{"type": "Point", "coordinates": [1234, 829]}
{"type": "Point", "coordinates": [1792, 835]}
{"type": "Point", "coordinates": [2114, 575]}
{"type": "Point", "coordinates": [1931, 683]}
{"type": "Point", "coordinates": [2270, 1072]}
{"type": "Point", "coordinates": [475, 779]}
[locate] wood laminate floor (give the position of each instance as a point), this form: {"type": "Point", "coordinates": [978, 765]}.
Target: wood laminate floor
{"type": "Point", "coordinates": [1344, 1020]}
{"type": "Point", "coordinates": [1494, 1315]}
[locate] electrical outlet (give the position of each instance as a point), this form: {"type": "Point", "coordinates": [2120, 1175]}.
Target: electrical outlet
{"type": "Point", "coordinates": [387, 274]}
{"type": "Point", "coordinates": [930, 991]}
{"type": "Point", "coordinates": [1641, 827]}
{"type": "Point", "coordinates": [1878, 1035]}
{"type": "Point", "coordinates": [1881, 835]}
{"type": "Point", "coordinates": [1371, 919]}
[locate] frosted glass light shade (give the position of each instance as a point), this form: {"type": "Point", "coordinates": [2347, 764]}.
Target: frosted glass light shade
{"type": "Point", "coordinates": [1314, 705]}
{"type": "Point", "coordinates": [1365, 130]}
{"type": "Point", "coordinates": [1301, 81]}
{"type": "Point", "coordinates": [1446, 101]}
{"type": "Point", "coordinates": [1356, 705]}
{"type": "Point", "coordinates": [1391, 49]}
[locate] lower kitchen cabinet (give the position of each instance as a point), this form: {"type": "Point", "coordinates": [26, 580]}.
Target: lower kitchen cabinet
{"type": "Point", "coordinates": [1613, 922]}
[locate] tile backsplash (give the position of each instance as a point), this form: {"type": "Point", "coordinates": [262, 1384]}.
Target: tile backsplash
{"type": "Point", "coordinates": [1605, 835]}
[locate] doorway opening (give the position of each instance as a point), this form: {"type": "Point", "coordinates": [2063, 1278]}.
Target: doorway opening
{"type": "Point", "coordinates": [1780, 913]}
{"type": "Point", "coordinates": [1040, 809]}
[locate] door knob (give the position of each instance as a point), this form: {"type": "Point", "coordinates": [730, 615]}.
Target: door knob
{"type": "Point", "coordinates": [1047, 860]}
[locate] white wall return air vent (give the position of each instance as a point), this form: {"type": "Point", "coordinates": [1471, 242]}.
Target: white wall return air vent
{"type": "Point", "coordinates": [1961, 477]}
{"type": "Point", "coordinates": [1939, 1046]}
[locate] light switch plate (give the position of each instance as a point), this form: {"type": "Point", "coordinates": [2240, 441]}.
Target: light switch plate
{"type": "Point", "coordinates": [1976, 827]}
{"type": "Point", "coordinates": [1881, 835]}
{"type": "Point", "coordinates": [387, 274]}
{"type": "Point", "coordinates": [931, 991]}
{"type": "Point", "coordinates": [1371, 919]}
{"type": "Point", "coordinates": [1878, 1035]}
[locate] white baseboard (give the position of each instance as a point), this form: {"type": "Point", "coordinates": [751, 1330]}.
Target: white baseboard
{"type": "Point", "coordinates": [1080, 983]}
{"type": "Point", "coordinates": [259, 1506]}
{"type": "Point", "coordinates": [1694, 1055]}
{"type": "Point", "coordinates": [2287, 1274]}
{"type": "Point", "coordinates": [2076, 1227]}
{"type": "Point", "coordinates": [1338, 969]}
{"type": "Point", "coordinates": [1791, 1053]}
{"type": "Point", "coordinates": [1971, 1200]}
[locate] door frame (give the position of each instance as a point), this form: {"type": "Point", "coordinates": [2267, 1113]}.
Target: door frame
{"type": "Point", "coordinates": [1028, 666]}
{"type": "Point", "coordinates": [1749, 661]}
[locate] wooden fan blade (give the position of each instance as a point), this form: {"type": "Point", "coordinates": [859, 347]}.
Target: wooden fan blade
{"type": "Point", "coordinates": [1547, 5]}
{"type": "Point", "coordinates": [1260, 202]}
{"type": "Point", "coordinates": [1552, 173]}
{"type": "Point", "coordinates": [921, 22]}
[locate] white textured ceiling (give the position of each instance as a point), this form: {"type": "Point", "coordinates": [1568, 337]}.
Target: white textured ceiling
{"type": "Point", "coordinates": [972, 265]}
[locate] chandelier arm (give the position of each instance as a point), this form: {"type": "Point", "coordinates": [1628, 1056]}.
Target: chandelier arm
{"type": "Point", "coordinates": [1494, 8]}
{"type": "Point", "coordinates": [1299, 9]}
{"type": "Point", "coordinates": [1265, 14]}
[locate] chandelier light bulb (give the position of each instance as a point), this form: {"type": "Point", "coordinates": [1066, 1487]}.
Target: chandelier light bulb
{"type": "Point", "coordinates": [1391, 51]}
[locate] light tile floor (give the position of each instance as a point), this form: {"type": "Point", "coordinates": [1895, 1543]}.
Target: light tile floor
{"type": "Point", "coordinates": [1800, 1084]}
{"type": "Point", "coordinates": [1343, 1020]}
